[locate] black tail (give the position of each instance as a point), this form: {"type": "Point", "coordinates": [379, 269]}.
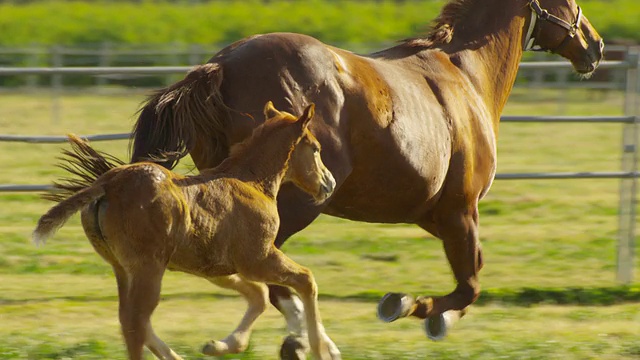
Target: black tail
{"type": "Point", "coordinates": [174, 119]}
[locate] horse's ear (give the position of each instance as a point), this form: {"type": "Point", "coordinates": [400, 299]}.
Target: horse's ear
{"type": "Point", "coordinates": [307, 115]}
{"type": "Point", "coordinates": [270, 111]}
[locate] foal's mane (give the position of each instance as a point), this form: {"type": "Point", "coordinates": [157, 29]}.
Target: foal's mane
{"type": "Point", "coordinates": [239, 150]}
{"type": "Point", "coordinates": [441, 32]}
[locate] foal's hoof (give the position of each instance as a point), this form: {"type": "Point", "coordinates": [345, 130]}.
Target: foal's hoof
{"type": "Point", "coordinates": [293, 348]}
{"type": "Point", "coordinates": [215, 348]}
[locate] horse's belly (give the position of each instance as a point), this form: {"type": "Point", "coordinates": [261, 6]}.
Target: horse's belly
{"type": "Point", "coordinates": [396, 177]}
{"type": "Point", "coordinates": [401, 199]}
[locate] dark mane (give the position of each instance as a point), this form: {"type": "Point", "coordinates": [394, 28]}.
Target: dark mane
{"type": "Point", "coordinates": [443, 26]}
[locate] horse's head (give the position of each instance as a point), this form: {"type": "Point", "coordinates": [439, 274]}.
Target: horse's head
{"type": "Point", "coordinates": [306, 169]}
{"type": "Point", "coordinates": [559, 26]}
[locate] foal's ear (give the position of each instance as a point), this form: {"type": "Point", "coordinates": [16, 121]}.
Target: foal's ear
{"type": "Point", "coordinates": [270, 111]}
{"type": "Point", "coordinates": [307, 115]}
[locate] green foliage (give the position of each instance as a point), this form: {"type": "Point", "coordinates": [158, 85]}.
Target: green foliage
{"type": "Point", "coordinates": [222, 22]}
{"type": "Point", "coordinates": [208, 23]}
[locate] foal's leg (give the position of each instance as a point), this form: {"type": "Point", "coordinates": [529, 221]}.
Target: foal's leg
{"type": "Point", "coordinates": [137, 303]}
{"type": "Point", "coordinates": [257, 298]}
{"type": "Point", "coordinates": [279, 269]}
{"type": "Point", "coordinates": [296, 212]}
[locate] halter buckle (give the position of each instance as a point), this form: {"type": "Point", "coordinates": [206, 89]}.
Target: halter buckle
{"type": "Point", "coordinates": [544, 14]}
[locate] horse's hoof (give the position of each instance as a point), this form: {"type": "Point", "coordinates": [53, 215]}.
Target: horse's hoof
{"type": "Point", "coordinates": [293, 348]}
{"type": "Point", "coordinates": [394, 306]}
{"type": "Point", "coordinates": [437, 327]}
{"type": "Point", "coordinates": [215, 348]}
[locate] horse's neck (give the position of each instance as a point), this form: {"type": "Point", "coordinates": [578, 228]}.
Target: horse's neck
{"type": "Point", "coordinates": [492, 56]}
{"type": "Point", "coordinates": [262, 169]}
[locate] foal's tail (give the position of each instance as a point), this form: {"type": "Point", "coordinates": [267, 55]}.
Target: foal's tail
{"type": "Point", "coordinates": [87, 165]}
{"type": "Point", "coordinates": [53, 219]}
{"type": "Point", "coordinates": [174, 118]}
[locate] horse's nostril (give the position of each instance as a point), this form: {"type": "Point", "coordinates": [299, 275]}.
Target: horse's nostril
{"type": "Point", "coordinates": [329, 183]}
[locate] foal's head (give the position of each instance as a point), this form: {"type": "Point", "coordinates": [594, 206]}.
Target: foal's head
{"type": "Point", "coordinates": [560, 27]}
{"type": "Point", "coordinates": [305, 168]}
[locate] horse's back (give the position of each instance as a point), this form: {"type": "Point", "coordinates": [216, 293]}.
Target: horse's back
{"type": "Point", "coordinates": [273, 67]}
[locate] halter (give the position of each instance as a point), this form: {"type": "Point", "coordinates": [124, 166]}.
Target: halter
{"type": "Point", "coordinates": [537, 12]}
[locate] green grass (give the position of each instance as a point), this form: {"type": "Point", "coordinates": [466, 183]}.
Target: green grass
{"type": "Point", "coordinates": [549, 251]}
{"type": "Point", "coordinates": [222, 22]}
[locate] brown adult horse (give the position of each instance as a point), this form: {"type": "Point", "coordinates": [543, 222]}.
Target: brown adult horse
{"type": "Point", "coordinates": [219, 225]}
{"type": "Point", "coordinates": [408, 132]}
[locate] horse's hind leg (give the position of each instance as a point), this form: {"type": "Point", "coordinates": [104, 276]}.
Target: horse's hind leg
{"type": "Point", "coordinates": [139, 292]}
{"type": "Point", "coordinates": [458, 230]}
{"type": "Point", "coordinates": [277, 268]}
{"type": "Point", "coordinates": [257, 298]}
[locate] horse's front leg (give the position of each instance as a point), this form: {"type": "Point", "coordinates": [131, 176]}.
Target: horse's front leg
{"type": "Point", "coordinates": [256, 295]}
{"type": "Point", "coordinates": [458, 229]}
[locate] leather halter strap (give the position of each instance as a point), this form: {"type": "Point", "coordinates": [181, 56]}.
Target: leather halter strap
{"type": "Point", "coordinates": [538, 13]}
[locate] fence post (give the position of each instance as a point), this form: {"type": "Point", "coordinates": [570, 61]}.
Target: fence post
{"type": "Point", "coordinates": [195, 54]}
{"type": "Point", "coordinates": [629, 186]}
{"type": "Point", "coordinates": [104, 60]}
{"type": "Point", "coordinates": [32, 54]}
{"type": "Point", "coordinates": [56, 85]}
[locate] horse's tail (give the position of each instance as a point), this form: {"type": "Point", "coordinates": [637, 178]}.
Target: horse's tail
{"type": "Point", "coordinates": [85, 164]}
{"type": "Point", "coordinates": [173, 118]}
{"type": "Point", "coordinates": [58, 215]}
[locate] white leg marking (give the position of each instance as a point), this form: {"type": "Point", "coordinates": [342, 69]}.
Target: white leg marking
{"type": "Point", "coordinates": [293, 312]}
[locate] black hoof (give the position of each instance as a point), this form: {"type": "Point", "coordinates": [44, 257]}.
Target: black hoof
{"type": "Point", "coordinates": [293, 348]}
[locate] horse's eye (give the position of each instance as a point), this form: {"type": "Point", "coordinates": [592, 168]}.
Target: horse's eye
{"type": "Point", "coordinates": [316, 149]}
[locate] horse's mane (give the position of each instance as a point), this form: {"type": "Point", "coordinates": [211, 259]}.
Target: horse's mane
{"type": "Point", "coordinates": [443, 26]}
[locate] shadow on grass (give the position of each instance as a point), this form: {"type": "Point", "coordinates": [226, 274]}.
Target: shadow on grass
{"type": "Point", "coordinates": [600, 296]}
{"type": "Point", "coordinates": [178, 296]}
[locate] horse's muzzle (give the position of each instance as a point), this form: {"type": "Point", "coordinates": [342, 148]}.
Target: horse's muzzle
{"type": "Point", "coordinates": [328, 185]}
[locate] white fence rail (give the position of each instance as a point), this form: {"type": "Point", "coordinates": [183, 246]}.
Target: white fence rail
{"type": "Point", "coordinates": [630, 122]}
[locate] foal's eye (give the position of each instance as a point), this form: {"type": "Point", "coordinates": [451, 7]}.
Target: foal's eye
{"type": "Point", "coordinates": [316, 149]}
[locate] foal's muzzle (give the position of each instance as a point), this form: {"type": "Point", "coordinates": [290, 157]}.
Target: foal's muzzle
{"type": "Point", "coordinates": [328, 185]}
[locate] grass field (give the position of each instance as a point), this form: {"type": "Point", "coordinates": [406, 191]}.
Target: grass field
{"type": "Point", "coordinates": [141, 23]}
{"type": "Point", "coordinates": [549, 251]}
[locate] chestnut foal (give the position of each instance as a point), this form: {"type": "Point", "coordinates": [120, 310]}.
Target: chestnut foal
{"type": "Point", "coordinates": [220, 225]}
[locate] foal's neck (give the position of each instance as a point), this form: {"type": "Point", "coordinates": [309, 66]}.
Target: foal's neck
{"type": "Point", "coordinates": [263, 167]}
